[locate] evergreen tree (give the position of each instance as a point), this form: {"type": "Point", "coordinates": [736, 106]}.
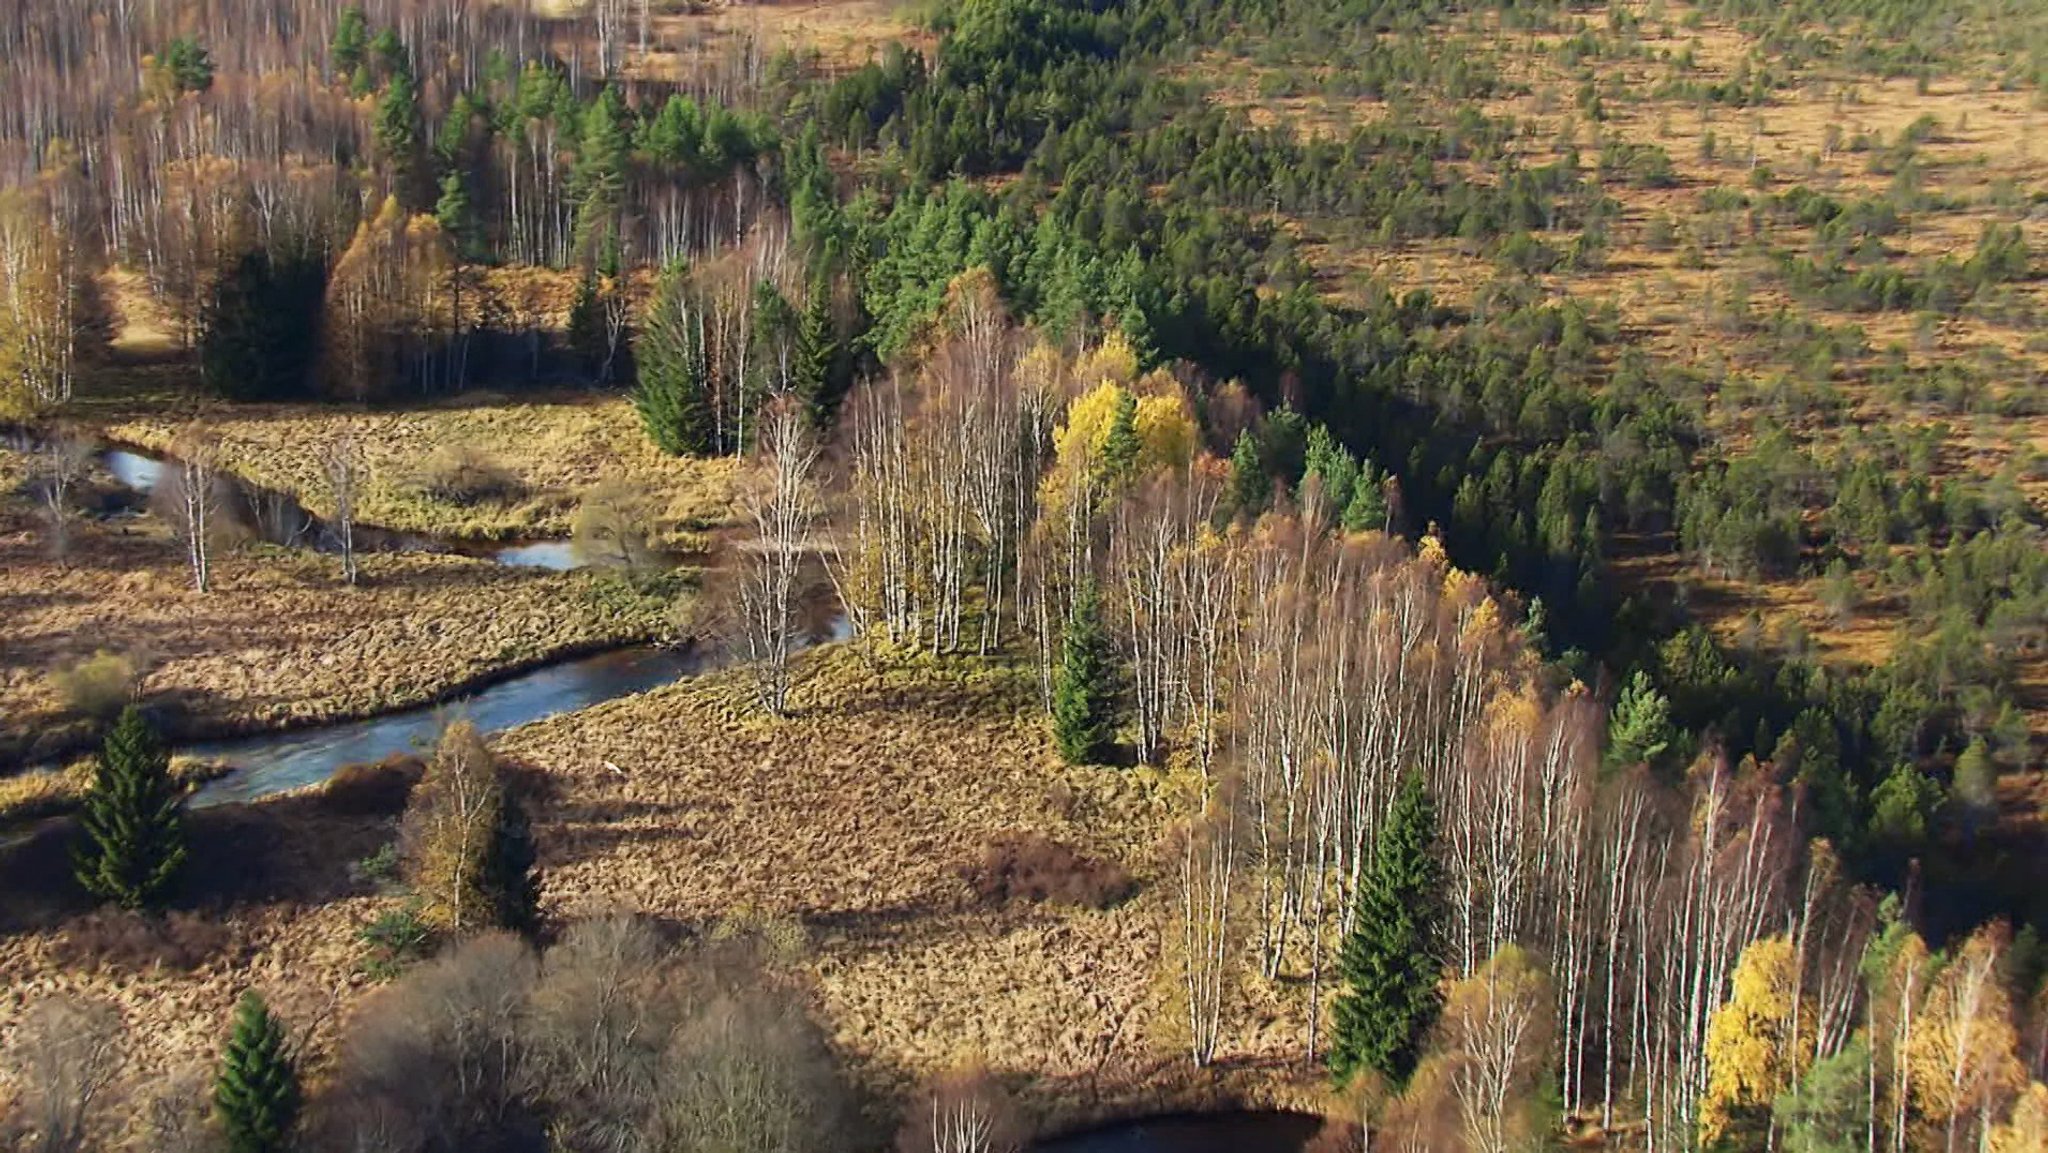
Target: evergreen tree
{"type": "Point", "coordinates": [351, 43]}
{"type": "Point", "coordinates": [133, 821]}
{"type": "Point", "coordinates": [512, 877]}
{"type": "Point", "coordinates": [1334, 465]}
{"type": "Point", "coordinates": [1976, 781]}
{"type": "Point", "coordinates": [392, 57]}
{"type": "Point", "coordinates": [1119, 460]}
{"type": "Point", "coordinates": [256, 1095]}
{"type": "Point", "coordinates": [586, 322]}
{"type": "Point", "coordinates": [397, 130]}
{"type": "Point", "coordinates": [1084, 711]}
{"type": "Point", "coordinates": [599, 180]}
{"type": "Point", "coordinates": [1388, 963]}
{"type": "Point", "coordinates": [816, 352]}
{"type": "Point", "coordinates": [1640, 730]}
{"type": "Point", "coordinates": [1250, 487]}
{"type": "Point", "coordinates": [457, 216]}
{"type": "Point", "coordinates": [1368, 510]}
{"type": "Point", "coordinates": [668, 352]}
{"type": "Point", "coordinates": [189, 64]}
{"type": "Point", "coordinates": [259, 329]}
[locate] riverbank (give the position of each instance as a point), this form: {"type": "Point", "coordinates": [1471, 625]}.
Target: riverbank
{"type": "Point", "coordinates": [852, 831]}
{"type": "Point", "coordinates": [279, 641]}
{"type": "Point", "coordinates": [541, 456]}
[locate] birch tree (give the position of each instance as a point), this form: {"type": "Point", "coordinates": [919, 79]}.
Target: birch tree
{"type": "Point", "coordinates": [781, 501]}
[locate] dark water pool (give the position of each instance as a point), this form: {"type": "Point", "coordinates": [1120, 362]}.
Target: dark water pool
{"type": "Point", "coordinates": [1247, 1132]}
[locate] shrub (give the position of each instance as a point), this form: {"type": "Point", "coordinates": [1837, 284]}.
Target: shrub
{"type": "Point", "coordinates": [98, 687]}
{"type": "Point", "coordinates": [392, 942]}
{"type": "Point", "coordinates": [1031, 867]}
{"type": "Point", "coordinates": [132, 942]}
{"type": "Point", "coordinates": [466, 477]}
{"type": "Point", "coordinates": [372, 790]}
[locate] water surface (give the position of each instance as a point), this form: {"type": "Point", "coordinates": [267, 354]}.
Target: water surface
{"type": "Point", "coordinates": [1246, 1132]}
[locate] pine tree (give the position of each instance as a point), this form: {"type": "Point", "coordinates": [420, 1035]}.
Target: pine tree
{"type": "Point", "coordinates": [1640, 731]}
{"type": "Point", "coordinates": [668, 353]}
{"type": "Point", "coordinates": [1367, 510]}
{"type": "Point", "coordinates": [1084, 700]}
{"type": "Point", "coordinates": [816, 351]}
{"type": "Point", "coordinates": [256, 1095]}
{"type": "Point", "coordinates": [133, 821]}
{"type": "Point", "coordinates": [1250, 487]}
{"type": "Point", "coordinates": [1390, 995]}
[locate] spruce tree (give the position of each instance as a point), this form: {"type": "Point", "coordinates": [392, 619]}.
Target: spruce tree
{"type": "Point", "coordinates": [1640, 729]}
{"type": "Point", "coordinates": [397, 132]}
{"type": "Point", "coordinates": [132, 826]}
{"type": "Point", "coordinates": [457, 216]}
{"type": "Point", "coordinates": [256, 1095]}
{"type": "Point", "coordinates": [351, 43]}
{"type": "Point", "coordinates": [1119, 462]}
{"type": "Point", "coordinates": [1388, 963]}
{"type": "Point", "coordinates": [1084, 699]}
{"type": "Point", "coordinates": [816, 350]}
{"type": "Point", "coordinates": [1367, 509]}
{"type": "Point", "coordinates": [668, 353]}
{"type": "Point", "coordinates": [1250, 487]}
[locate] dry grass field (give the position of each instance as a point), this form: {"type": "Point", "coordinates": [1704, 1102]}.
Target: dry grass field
{"type": "Point", "coordinates": [1676, 261]}
{"type": "Point", "coordinates": [844, 833]}
{"type": "Point", "coordinates": [280, 639]}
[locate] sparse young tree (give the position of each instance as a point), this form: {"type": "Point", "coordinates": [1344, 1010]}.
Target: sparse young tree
{"type": "Point", "coordinates": [965, 1111]}
{"type": "Point", "coordinates": [1206, 864]}
{"type": "Point", "coordinates": [467, 852]}
{"type": "Point", "coordinates": [196, 499]}
{"type": "Point", "coordinates": [343, 463]}
{"type": "Point", "coordinates": [61, 462]}
{"type": "Point", "coordinates": [781, 500]}
{"type": "Point", "coordinates": [256, 1096]}
{"type": "Point", "coordinates": [64, 1058]}
{"type": "Point", "coordinates": [132, 821]}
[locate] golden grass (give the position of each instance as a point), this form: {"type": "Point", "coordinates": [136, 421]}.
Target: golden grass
{"type": "Point", "coordinates": [843, 34]}
{"type": "Point", "coordinates": [280, 639]}
{"type": "Point", "coordinates": [846, 825]}
{"type": "Point", "coordinates": [854, 818]}
{"type": "Point", "coordinates": [557, 449]}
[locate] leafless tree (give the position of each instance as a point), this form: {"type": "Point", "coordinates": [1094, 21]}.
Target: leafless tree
{"type": "Point", "coordinates": [964, 1111]}
{"type": "Point", "coordinates": [781, 500]}
{"type": "Point", "coordinates": [197, 495]}
{"type": "Point", "coordinates": [343, 463]}
{"type": "Point", "coordinates": [1206, 859]}
{"type": "Point", "coordinates": [63, 1061]}
{"type": "Point", "coordinates": [61, 462]}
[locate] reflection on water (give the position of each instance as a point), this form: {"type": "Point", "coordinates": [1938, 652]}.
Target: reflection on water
{"type": "Point", "coordinates": [277, 762]}
{"type": "Point", "coordinates": [1195, 1133]}
{"type": "Point", "coordinates": [559, 555]}
{"type": "Point", "coordinates": [133, 470]}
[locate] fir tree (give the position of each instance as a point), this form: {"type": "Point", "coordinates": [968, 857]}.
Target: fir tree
{"type": "Point", "coordinates": [671, 396]}
{"type": "Point", "coordinates": [586, 322]}
{"type": "Point", "coordinates": [256, 1095]}
{"type": "Point", "coordinates": [259, 327]}
{"type": "Point", "coordinates": [1084, 700]}
{"type": "Point", "coordinates": [1250, 487]}
{"type": "Point", "coordinates": [1388, 963]}
{"type": "Point", "coordinates": [133, 822]}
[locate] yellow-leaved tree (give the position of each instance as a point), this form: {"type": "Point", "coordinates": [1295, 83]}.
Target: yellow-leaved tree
{"type": "Point", "coordinates": [1961, 1066]}
{"type": "Point", "coordinates": [2027, 1130]}
{"type": "Point", "coordinates": [1752, 1055]}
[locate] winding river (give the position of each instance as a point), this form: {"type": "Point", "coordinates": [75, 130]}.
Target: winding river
{"type": "Point", "coordinates": [269, 763]}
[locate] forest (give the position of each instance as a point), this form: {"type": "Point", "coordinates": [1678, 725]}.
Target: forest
{"type": "Point", "coordinates": [1330, 672]}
